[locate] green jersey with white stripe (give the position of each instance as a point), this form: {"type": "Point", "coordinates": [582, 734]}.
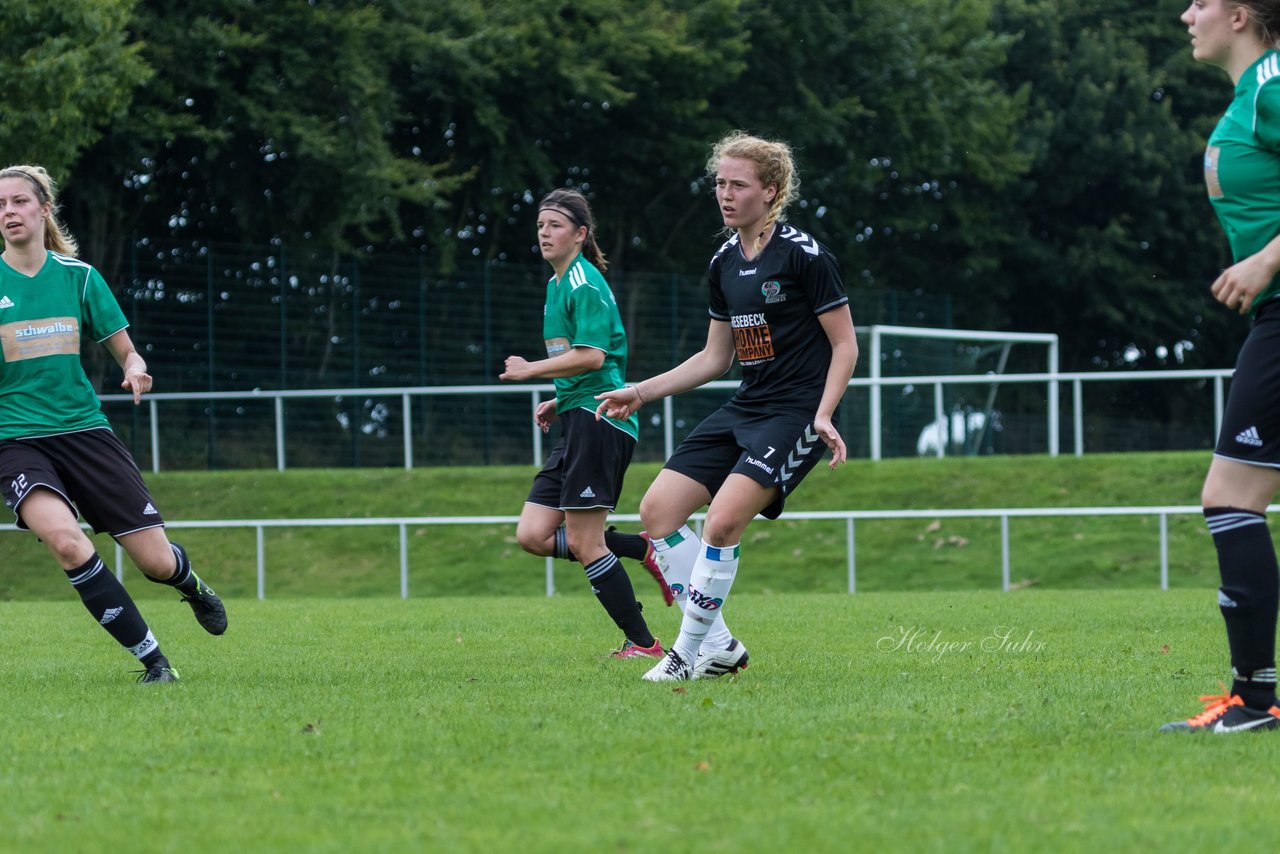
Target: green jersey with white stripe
{"type": "Point", "coordinates": [1242, 164]}
{"type": "Point", "coordinates": [581, 312]}
{"type": "Point", "coordinates": [43, 387]}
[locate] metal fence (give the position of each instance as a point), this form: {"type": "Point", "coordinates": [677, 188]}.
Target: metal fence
{"type": "Point", "coordinates": [850, 517]}
{"type": "Point", "coordinates": [401, 434]}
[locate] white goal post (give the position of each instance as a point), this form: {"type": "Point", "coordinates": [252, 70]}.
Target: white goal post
{"type": "Point", "coordinates": [877, 333]}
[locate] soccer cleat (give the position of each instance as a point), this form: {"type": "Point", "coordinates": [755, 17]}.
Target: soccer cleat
{"type": "Point", "coordinates": [718, 662]}
{"type": "Point", "coordinates": [210, 613]}
{"type": "Point", "coordinates": [158, 671]}
{"type": "Point", "coordinates": [1224, 714]}
{"type": "Point", "coordinates": [672, 668]}
{"type": "Point", "coordinates": [655, 569]}
{"type": "Point", "coordinates": [632, 650]}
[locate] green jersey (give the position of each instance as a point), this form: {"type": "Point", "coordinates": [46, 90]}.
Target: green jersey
{"type": "Point", "coordinates": [1242, 164]}
{"type": "Point", "coordinates": [581, 312]}
{"type": "Point", "coordinates": [43, 387]}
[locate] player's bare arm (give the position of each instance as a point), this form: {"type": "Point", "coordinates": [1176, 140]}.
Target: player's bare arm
{"type": "Point", "coordinates": [578, 360]}
{"type": "Point", "coordinates": [136, 379]}
{"type": "Point", "coordinates": [1240, 284]}
{"type": "Point", "coordinates": [838, 326]}
{"type": "Point", "coordinates": [707, 364]}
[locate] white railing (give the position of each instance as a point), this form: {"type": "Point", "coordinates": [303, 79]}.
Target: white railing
{"type": "Point", "coordinates": [402, 523]}
{"type": "Point", "coordinates": [537, 393]}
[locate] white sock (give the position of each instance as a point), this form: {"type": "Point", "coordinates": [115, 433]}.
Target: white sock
{"type": "Point", "coordinates": [679, 552]}
{"type": "Point", "coordinates": [709, 585]}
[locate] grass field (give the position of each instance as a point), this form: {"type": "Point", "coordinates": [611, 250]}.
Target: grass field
{"type": "Point", "coordinates": [958, 721]}
{"type": "Point", "coordinates": [928, 712]}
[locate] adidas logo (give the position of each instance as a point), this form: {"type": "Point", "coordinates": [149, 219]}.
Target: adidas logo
{"type": "Point", "coordinates": [149, 510]}
{"type": "Point", "coordinates": [5, 302]}
{"type": "Point", "coordinates": [587, 493]}
{"type": "Point", "coordinates": [1250, 437]}
{"type": "Point", "coordinates": [110, 614]}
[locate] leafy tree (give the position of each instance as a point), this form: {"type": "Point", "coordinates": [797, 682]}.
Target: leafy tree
{"type": "Point", "coordinates": [68, 73]}
{"type": "Point", "coordinates": [1107, 241]}
{"type": "Point", "coordinates": [263, 121]}
{"type": "Point", "coordinates": [609, 97]}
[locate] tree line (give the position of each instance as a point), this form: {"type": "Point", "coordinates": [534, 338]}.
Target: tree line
{"type": "Point", "coordinates": [1034, 162]}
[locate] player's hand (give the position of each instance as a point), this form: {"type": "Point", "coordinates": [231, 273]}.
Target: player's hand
{"type": "Point", "coordinates": [138, 382]}
{"type": "Point", "coordinates": [831, 438]}
{"type": "Point", "coordinates": [545, 415]}
{"type": "Point", "coordinates": [516, 369]}
{"type": "Point", "coordinates": [1240, 284]}
{"type": "Point", "coordinates": [619, 403]}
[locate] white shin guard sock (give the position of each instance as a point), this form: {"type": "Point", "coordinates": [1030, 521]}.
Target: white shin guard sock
{"type": "Point", "coordinates": [709, 585]}
{"type": "Point", "coordinates": [679, 552]}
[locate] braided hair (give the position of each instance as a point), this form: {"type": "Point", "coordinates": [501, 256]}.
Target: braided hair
{"type": "Point", "coordinates": [774, 165]}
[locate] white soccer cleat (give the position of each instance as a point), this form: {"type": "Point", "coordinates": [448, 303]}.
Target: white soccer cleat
{"type": "Point", "coordinates": [672, 668]}
{"type": "Point", "coordinates": [718, 662]}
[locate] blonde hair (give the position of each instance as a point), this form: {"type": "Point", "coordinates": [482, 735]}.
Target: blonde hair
{"type": "Point", "coordinates": [56, 236]}
{"type": "Point", "coordinates": [774, 165]}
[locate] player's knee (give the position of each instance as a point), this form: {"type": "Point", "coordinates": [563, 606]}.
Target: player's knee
{"type": "Point", "coordinates": [160, 565]}
{"type": "Point", "coordinates": [656, 516]}
{"type": "Point", "coordinates": [68, 544]}
{"type": "Point", "coordinates": [586, 544]}
{"type": "Point", "coordinates": [533, 542]}
{"type": "Point", "coordinates": [721, 529]}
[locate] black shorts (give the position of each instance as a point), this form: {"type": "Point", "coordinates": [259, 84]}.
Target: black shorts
{"type": "Point", "coordinates": [586, 467]}
{"type": "Point", "coordinates": [91, 470]}
{"type": "Point", "coordinates": [772, 448]}
{"type": "Point", "coordinates": [1251, 421]}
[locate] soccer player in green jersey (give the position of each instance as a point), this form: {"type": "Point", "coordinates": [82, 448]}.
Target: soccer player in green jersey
{"type": "Point", "coordinates": [581, 481]}
{"type": "Point", "coordinates": [1242, 174]}
{"type": "Point", "coordinates": [58, 457]}
{"type": "Point", "coordinates": [778, 306]}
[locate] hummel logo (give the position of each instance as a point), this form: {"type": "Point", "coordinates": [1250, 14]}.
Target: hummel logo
{"type": "Point", "coordinates": [1263, 721]}
{"type": "Point", "coordinates": [5, 302]}
{"type": "Point", "coordinates": [149, 510]}
{"type": "Point", "coordinates": [1250, 437]}
{"type": "Point", "coordinates": [587, 493]}
{"type": "Point", "coordinates": [110, 614]}
{"type": "Point", "coordinates": [750, 272]}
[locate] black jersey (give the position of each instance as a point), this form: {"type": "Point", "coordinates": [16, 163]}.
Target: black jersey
{"type": "Point", "coordinates": [772, 304]}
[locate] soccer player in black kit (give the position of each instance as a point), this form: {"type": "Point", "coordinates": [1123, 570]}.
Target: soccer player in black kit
{"type": "Point", "coordinates": [778, 305]}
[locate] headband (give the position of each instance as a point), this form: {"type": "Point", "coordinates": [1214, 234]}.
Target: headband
{"type": "Point", "coordinates": [554, 207]}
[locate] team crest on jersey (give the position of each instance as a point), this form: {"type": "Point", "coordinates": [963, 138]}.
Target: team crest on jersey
{"type": "Point", "coordinates": [773, 292]}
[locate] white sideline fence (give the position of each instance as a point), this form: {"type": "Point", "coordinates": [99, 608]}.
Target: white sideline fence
{"type": "Point", "coordinates": [850, 517]}
{"type": "Point", "coordinates": [540, 392]}
{"type": "Point", "coordinates": [1052, 379]}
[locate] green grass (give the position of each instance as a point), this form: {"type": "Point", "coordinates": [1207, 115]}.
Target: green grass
{"type": "Point", "coordinates": [789, 555]}
{"type": "Point", "coordinates": [495, 724]}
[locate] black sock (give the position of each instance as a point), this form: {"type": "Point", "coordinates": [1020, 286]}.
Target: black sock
{"type": "Point", "coordinates": [612, 586]}
{"type": "Point", "coordinates": [562, 545]}
{"type": "Point", "coordinates": [631, 546]}
{"type": "Point", "coordinates": [110, 604]}
{"type": "Point", "coordinates": [1249, 599]}
{"type": "Point", "coordinates": [184, 577]}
